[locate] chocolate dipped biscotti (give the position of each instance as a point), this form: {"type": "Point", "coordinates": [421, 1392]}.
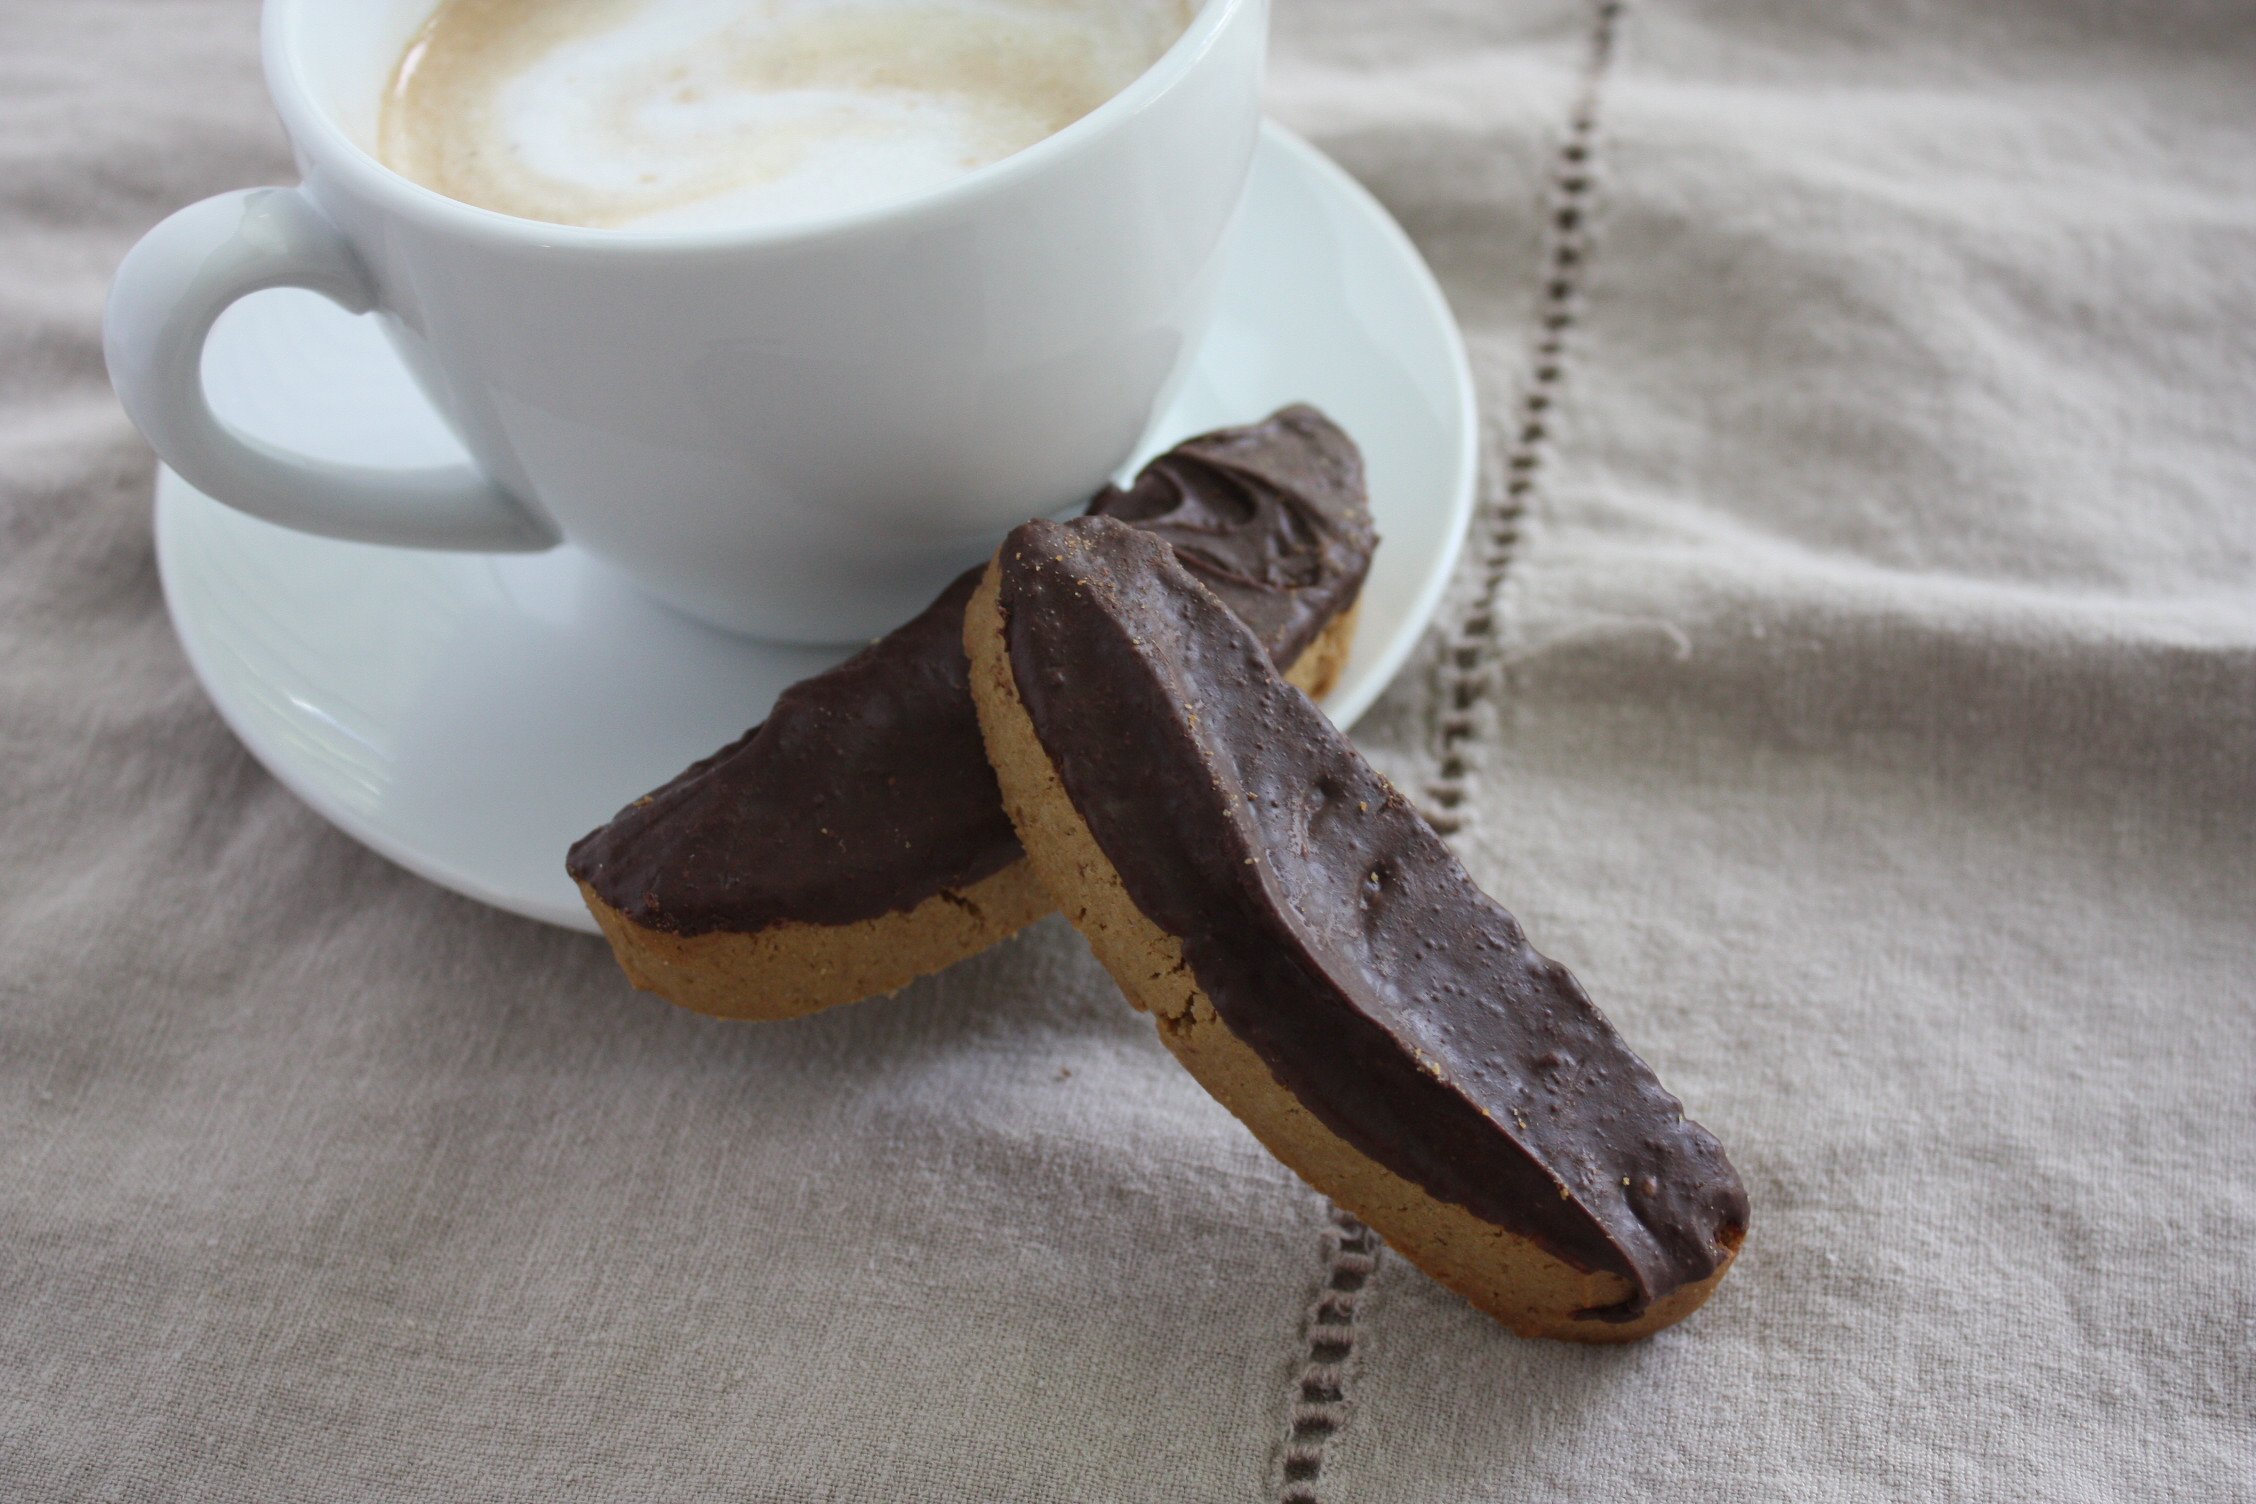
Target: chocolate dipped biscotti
{"type": "Point", "coordinates": [856, 840]}
{"type": "Point", "coordinates": [1319, 960]}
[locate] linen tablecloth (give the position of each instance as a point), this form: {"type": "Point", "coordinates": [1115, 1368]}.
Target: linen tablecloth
{"type": "Point", "coordinates": [1852, 676]}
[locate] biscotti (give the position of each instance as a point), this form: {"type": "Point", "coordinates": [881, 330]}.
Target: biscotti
{"type": "Point", "coordinates": [1319, 960]}
{"type": "Point", "coordinates": [856, 840]}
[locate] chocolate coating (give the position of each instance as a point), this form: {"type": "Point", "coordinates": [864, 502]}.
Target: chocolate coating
{"type": "Point", "coordinates": [1335, 933]}
{"type": "Point", "coordinates": [1273, 518]}
{"type": "Point", "coordinates": [867, 789]}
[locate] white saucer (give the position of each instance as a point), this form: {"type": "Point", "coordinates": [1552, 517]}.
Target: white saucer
{"type": "Point", "coordinates": [469, 716]}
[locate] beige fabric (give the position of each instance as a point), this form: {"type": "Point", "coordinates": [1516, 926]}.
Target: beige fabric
{"type": "Point", "coordinates": [1869, 714]}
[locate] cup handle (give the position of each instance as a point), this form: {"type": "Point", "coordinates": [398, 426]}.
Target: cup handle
{"type": "Point", "coordinates": [169, 291]}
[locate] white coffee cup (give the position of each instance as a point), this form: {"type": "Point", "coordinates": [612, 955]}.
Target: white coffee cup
{"type": "Point", "coordinates": [799, 430]}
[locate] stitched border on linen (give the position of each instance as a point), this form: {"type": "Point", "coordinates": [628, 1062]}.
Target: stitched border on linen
{"type": "Point", "coordinates": [1319, 1399]}
{"type": "Point", "coordinates": [1469, 643]}
{"type": "Point", "coordinates": [1321, 1403]}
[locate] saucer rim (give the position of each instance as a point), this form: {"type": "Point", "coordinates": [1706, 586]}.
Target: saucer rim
{"type": "Point", "coordinates": [1346, 710]}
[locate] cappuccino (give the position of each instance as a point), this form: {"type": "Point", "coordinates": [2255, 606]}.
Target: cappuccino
{"type": "Point", "coordinates": [663, 114]}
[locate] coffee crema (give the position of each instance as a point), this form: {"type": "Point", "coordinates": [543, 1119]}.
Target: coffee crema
{"type": "Point", "coordinates": [664, 114]}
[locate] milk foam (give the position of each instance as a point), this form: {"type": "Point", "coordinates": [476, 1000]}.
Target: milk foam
{"type": "Point", "coordinates": [684, 113]}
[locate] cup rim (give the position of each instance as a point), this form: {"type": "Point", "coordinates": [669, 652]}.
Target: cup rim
{"type": "Point", "coordinates": [314, 129]}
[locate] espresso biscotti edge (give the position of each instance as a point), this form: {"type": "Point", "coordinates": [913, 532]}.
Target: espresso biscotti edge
{"type": "Point", "coordinates": [792, 969]}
